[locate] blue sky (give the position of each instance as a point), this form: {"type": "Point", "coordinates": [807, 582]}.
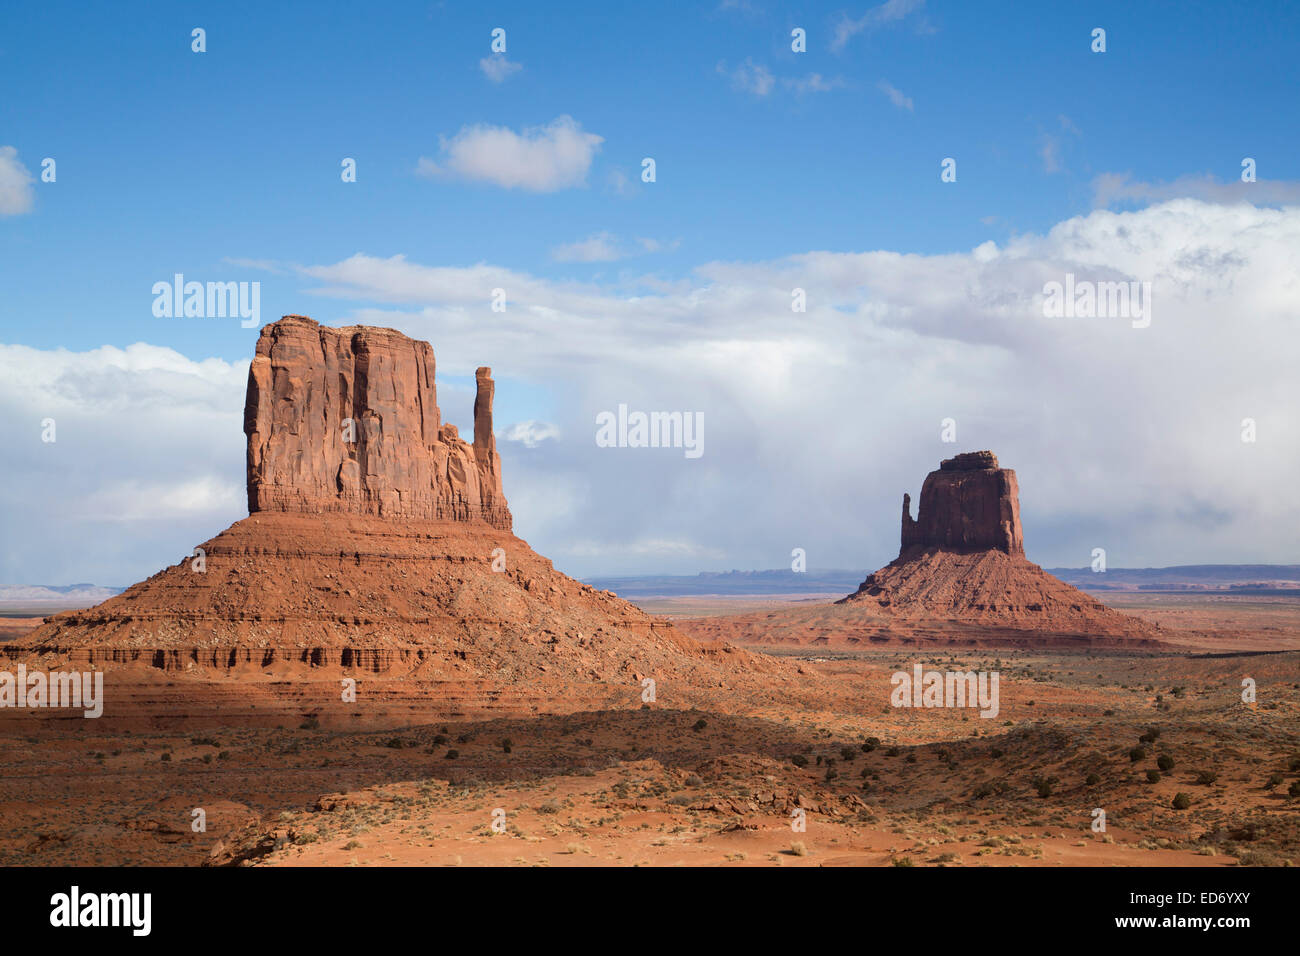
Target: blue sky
{"type": "Point", "coordinates": [225, 165]}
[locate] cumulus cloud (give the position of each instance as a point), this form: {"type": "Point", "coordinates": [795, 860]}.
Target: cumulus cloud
{"type": "Point", "coordinates": [498, 68]}
{"type": "Point", "coordinates": [539, 159]}
{"type": "Point", "coordinates": [815, 422]}
{"type": "Point", "coordinates": [146, 462]}
{"type": "Point", "coordinates": [16, 193]}
{"type": "Point", "coordinates": [1124, 438]}
{"type": "Point", "coordinates": [531, 433]}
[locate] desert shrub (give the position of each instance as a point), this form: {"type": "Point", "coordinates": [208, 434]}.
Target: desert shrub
{"type": "Point", "coordinates": [1044, 785]}
{"type": "Point", "coordinates": [550, 806]}
{"type": "Point", "coordinates": [799, 760]}
{"type": "Point", "coordinates": [1153, 776]}
{"type": "Point", "coordinates": [439, 740]}
{"type": "Point", "coordinates": [1093, 779]}
{"type": "Point", "coordinates": [870, 744]}
{"type": "Point", "coordinates": [1165, 762]}
{"type": "Point", "coordinates": [1259, 858]}
{"type": "Point", "coordinates": [694, 780]}
{"type": "Point", "coordinates": [910, 758]}
{"type": "Point", "coordinates": [1294, 764]}
{"type": "Point", "coordinates": [204, 742]}
{"type": "Point", "coordinates": [848, 753]}
{"type": "Point", "coordinates": [997, 752]}
{"type": "Point", "coordinates": [798, 849]}
{"type": "Point", "coordinates": [507, 745]}
{"type": "Point", "coordinates": [1294, 789]}
{"type": "Point", "coordinates": [1272, 781]}
{"type": "Point", "coordinates": [452, 754]}
{"type": "Point", "coordinates": [1149, 737]}
{"type": "Point", "coordinates": [310, 723]}
{"type": "Point", "coordinates": [396, 743]}
{"type": "Point", "coordinates": [892, 752]}
{"type": "Point", "coordinates": [1181, 801]}
{"type": "Point", "coordinates": [700, 724]}
{"type": "Point", "coordinates": [903, 861]}
{"type": "Point", "coordinates": [1137, 753]}
{"type": "Point", "coordinates": [1206, 777]}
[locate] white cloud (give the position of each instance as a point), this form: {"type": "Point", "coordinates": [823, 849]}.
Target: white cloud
{"type": "Point", "coordinates": [606, 247]}
{"type": "Point", "coordinates": [895, 95]}
{"type": "Point", "coordinates": [1124, 438]}
{"type": "Point", "coordinates": [540, 159]}
{"type": "Point", "coordinates": [16, 193]}
{"type": "Point", "coordinates": [602, 247]}
{"type": "Point", "coordinates": [147, 462]}
{"type": "Point", "coordinates": [749, 77]}
{"type": "Point", "coordinates": [498, 68]}
{"type": "Point", "coordinates": [1050, 153]}
{"type": "Point", "coordinates": [1112, 188]}
{"type": "Point", "coordinates": [891, 11]}
{"type": "Point", "coordinates": [132, 500]}
{"type": "Point", "coordinates": [531, 433]}
{"type": "Point", "coordinates": [815, 423]}
{"type": "Point", "coordinates": [755, 78]}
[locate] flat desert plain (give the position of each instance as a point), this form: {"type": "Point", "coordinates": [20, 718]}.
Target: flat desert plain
{"type": "Point", "coordinates": [827, 774]}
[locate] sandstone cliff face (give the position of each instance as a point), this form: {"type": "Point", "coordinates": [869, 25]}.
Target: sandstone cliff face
{"type": "Point", "coordinates": [968, 505]}
{"type": "Point", "coordinates": [347, 420]}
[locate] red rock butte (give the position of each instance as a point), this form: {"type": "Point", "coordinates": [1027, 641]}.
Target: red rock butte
{"type": "Point", "coordinates": [347, 420]}
{"type": "Point", "coordinates": [968, 505]}
{"type": "Point", "coordinates": [961, 578]}
{"type": "Point", "coordinates": [379, 543]}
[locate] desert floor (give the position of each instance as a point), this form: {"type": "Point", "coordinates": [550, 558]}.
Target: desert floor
{"type": "Point", "coordinates": [729, 785]}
